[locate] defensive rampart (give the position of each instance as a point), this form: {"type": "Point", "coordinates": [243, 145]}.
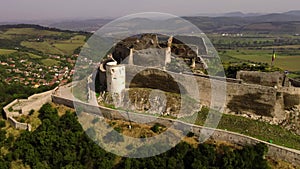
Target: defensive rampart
{"type": "Point", "coordinates": [23, 106]}
{"type": "Point", "coordinates": [241, 98]}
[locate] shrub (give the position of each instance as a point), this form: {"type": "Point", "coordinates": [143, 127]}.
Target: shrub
{"type": "Point", "coordinates": [31, 112]}
{"type": "Point", "coordinates": [2, 124]}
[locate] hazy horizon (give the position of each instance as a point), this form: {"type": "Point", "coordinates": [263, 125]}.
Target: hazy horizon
{"type": "Point", "coordinates": [18, 10]}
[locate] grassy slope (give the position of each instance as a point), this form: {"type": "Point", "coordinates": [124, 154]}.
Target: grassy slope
{"type": "Point", "coordinates": [253, 128]}
{"type": "Point", "coordinates": [44, 47]}
{"type": "Point", "coordinates": [30, 31]}
{"type": "Point", "coordinates": [48, 46]}
{"type": "Point", "coordinates": [68, 46]}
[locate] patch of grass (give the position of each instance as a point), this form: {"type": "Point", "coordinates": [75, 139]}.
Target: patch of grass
{"type": "Point", "coordinates": [282, 61]}
{"type": "Point", "coordinates": [34, 120]}
{"type": "Point", "coordinates": [260, 130]}
{"type": "Point", "coordinates": [44, 47]}
{"type": "Point", "coordinates": [19, 165]}
{"type": "Point", "coordinates": [50, 62]}
{"type": "Point", "coordinates": [34, 56]}
{"type": "Point", "coordinates": [293, 75]}
{"type": "Point", "coordinates": [6, 51]}
{"type": "Point", "coordinates": [6, 36]}
{"type": "Point", "coordinates": [69, 46]}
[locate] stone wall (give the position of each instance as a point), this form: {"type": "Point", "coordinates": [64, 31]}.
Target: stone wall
{"type": "Point", "coordinates": [240, 98]}
{"type": "Point", "coordinates": [11, 113]}
{"type": "Point", "coordinates": [291, 97]}
{"type": "Point", "coordinates": [261, 78]}
{"type": "Point", "coordinates": [17, 125]}
{"type": "Point", "coordinates": [295, 83]}
{"type": "Point", "coordinates": [289, 155]}
{"type": "Point", "coordinates": [38, 100]}
{"type": "Point", "coordinates": [23, 107]}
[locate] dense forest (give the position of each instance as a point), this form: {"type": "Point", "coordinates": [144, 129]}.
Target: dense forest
{"type": "Point", "coordinates": [60, 142]}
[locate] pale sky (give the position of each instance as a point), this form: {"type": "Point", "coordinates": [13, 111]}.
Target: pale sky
{"type": "Point", "coordinates": [11, 10]}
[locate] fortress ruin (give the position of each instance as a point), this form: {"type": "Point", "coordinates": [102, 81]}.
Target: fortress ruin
{"type": "Point", "coordinates": [258, 95]}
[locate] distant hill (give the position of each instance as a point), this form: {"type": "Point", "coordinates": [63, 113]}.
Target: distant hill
{"type": "Point", "coordinates": [231, 22]}
{"type": "Point", "coordinates": [238, 22]}
{"type": "Point", "coordinates": [81, 25]}
{"type": "Point", "coordinates": [294, 12]}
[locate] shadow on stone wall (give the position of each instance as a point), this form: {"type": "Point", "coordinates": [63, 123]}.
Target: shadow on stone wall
{"type": "Point", "coordinates": [250, 103]}
{"type": "Point", "coordinates": [156, 79]}
{"type": "Point", "coordinates": [291, 100]}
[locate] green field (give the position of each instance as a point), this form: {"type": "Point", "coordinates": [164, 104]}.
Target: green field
{"type": "Point", "coordinates": [44, 47]}
{"type": "Point", "coordinates": [285, 62]}
{"type": "Point", "coordinates": [57, 47]}
{"type": "Point", "coordinates": [6, 51]}
{"type": "Point", "coordinates": [34, 56]}
{"type": "Point", "coordinates": [50, 62]}
{"type": "Point", "coordinates": [53, 42]}
{"type": "Point", "coordinates": [68, 46]}
{"type": "Point", "coordinates": [284, 47]}
{"type": "Point", "coordinates": [30, 31]}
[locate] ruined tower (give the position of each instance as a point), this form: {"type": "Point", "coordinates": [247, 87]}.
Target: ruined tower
{"type": "Point", "coordinates": [115, 77]}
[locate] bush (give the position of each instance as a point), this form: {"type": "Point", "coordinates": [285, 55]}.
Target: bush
{"type": "Point", "coordinates": [190, 134]}
{"type": "Point", "coordinates": [155, 128]}
{"type": "Point", "coordinates": [31, 112]}
{"type": "Point", "coordinates": [2, 124]}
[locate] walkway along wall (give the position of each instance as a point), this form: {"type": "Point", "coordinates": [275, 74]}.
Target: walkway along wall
{"type": "Point", "coordinates": [289, 155]}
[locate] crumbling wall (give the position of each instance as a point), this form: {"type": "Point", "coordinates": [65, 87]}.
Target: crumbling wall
{"type": "Point", "coordinates": [294, 82]}
{"type": "Point", "coordinates": [240, 98]}
{"type": "Point", "coordinates": [261, 78]}
{"type": "Point", "coordinates": [243, 98]}
{"type": "Point", "coordinates": [291, 97]}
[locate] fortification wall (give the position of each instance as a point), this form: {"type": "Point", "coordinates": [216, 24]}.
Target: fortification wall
{"type": "Point", "coordinates": [38, 101]}
{"type": "Point", "coordinates": [291, 97]}
{"type": "Point", "coordinates": [240, 98]}
{"type": "Point", "coordinates": [7, 107]}
{"type": "Point", "coordinates": [289, 155]}
{"type": "Point", "coordinates": [255, 99]}
{"type": "Point", "coordinates": [295, 83]}
{"type": "Point", "coordinates": [17, 125]}
{"type": "Point", "coordinates": [33, 102]}
{"type": "Point", "coordinates": [261, 78]}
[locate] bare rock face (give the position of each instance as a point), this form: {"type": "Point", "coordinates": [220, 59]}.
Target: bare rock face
{"type": "Point", "coordinates": [152, 101]}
